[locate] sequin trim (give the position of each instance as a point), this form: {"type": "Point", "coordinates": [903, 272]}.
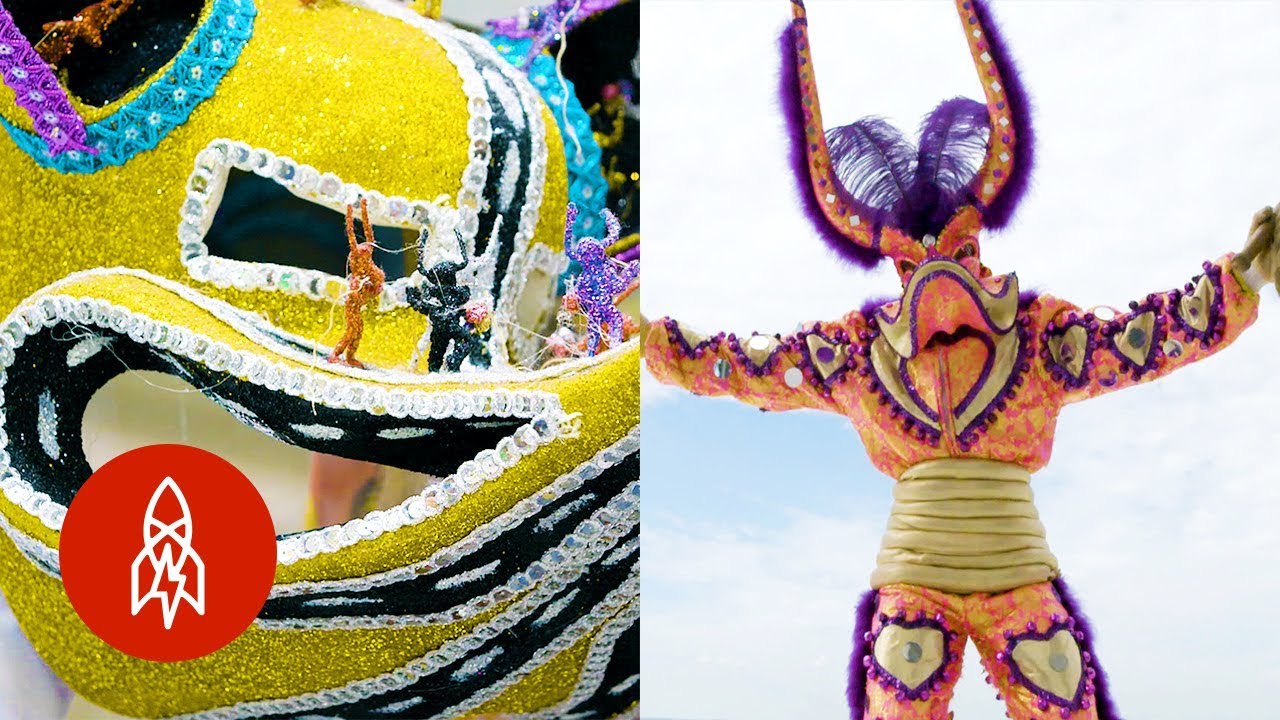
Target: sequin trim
{"type": "Point", "coordinates": [479, 537]}
{"type": "Point", "coordinates": [205, 185]}
{"type": "Point", "coordinates": [621, 597]}
{"type": "Point", "coordinates": [592, 677]}
{"type": "Point", "coordinates": [591, 540]}
{"type": "Point", "coordinates": [166, 103]}
{"type": "Point", "coordinates": [307, 352]}
{"type": "Point", "coordinates": [42, 556]}
{"type": "Point", "coordinates": [548, 420]}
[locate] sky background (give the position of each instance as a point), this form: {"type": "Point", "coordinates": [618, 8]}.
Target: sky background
{"type": "Point", "coordinates": [1157, 142]}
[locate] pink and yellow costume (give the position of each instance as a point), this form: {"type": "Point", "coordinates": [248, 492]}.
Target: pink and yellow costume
{"type": "Point", "coordinates": [955, 389]}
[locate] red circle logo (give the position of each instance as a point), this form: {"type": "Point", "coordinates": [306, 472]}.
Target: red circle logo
{"type": "Point", "coordinates": [168, 552]}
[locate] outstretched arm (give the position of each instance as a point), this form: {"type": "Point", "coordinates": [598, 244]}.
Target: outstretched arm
{"type": "Point", "coordinates": [771, 372]}
{"type": "Point", "coordinates": [1090, 355]}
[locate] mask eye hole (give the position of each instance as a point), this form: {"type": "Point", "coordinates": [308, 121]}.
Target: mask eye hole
{"type": "Point", "coordinates": [906, 267]}
{"type": "Point", "coordinates": [967, 251]}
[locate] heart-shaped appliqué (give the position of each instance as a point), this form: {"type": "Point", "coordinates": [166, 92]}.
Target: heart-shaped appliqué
{"type": "Point", "coordinates": [1052, 665]}
{"type": "Point", "coordinates": [911, 655]}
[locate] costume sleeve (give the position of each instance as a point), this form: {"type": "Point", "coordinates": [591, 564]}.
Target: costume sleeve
{"type": "Point", "coordinates": [771, 372]}
{"type": "Point", "coordinates": [1089, 355]}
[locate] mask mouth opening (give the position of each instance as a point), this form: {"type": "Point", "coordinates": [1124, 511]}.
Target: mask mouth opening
{"type": "Point", "coordinates": [943, 303]}
{"type": "Point", "coordinates": [138, 43]}
{"type": "Point", "coordinates": [942, 339]}
{"type": "Point", "coordinates": [147, 406]}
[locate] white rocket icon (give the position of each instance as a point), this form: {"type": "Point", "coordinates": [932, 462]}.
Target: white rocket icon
{"type": "Point", "coordinates": [168, 575]}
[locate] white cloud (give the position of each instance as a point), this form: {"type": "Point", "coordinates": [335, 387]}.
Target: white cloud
{"type": "Point", "coordinates": [1157, 143]}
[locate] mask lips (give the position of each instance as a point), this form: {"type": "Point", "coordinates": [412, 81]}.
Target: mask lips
{"type": "Point", "coordinates": [941, 297]}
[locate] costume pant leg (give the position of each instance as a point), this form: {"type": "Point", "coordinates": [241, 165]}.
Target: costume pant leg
{"type": "Point", "coordinates": [1037, 652]}
{"type": "Point", "coordinates": [907, 654]}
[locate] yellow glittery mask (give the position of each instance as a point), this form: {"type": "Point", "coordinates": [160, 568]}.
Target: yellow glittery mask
{"type": "Point", "coordinates": [335, 102]}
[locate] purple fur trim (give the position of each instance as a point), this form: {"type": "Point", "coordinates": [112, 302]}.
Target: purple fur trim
{"type": "Point", "coordinates": [37, 91]}
{"type": "Point", "coordinates": [1102, 694]}
{"type": "Point", "coordinates": [793, 113]}
{"type": "Point", "coordinates": [870, 305]}
{"type": "Point", "coordinates": [1026, 297]}
{"type": "Point", "coordinates": [1000, 212]}
{"type": "Point", "coordinates": [857, 691]}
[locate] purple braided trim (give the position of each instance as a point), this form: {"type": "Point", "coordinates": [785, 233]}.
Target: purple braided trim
{"type": "Point", "coordinates": [38, 92]}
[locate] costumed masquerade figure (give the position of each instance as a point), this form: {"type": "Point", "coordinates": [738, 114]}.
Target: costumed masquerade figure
{"type": "Point", "coordinates": [509, 585]}
{"type": "Point", "coordinates": [955, 387]}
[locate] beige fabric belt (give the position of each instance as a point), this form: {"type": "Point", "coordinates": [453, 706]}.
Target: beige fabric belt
{"type": "Point", "coordinates": [964, 525]}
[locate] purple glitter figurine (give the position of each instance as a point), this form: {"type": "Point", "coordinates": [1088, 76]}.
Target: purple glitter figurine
{"type": "Point", "coordinates": [602, 279]}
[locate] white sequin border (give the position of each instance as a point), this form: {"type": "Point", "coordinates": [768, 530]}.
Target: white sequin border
{"type": "Point", "coordinates": [593, 538]}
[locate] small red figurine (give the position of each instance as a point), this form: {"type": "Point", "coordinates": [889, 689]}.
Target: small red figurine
{"type": "Point", "coordinates": [364, 285]}
{"type": "Point", "coordinates": [86, 27]}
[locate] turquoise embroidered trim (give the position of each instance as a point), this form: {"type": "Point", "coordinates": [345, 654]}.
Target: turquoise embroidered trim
{"type": "Point", "coordinates": [587, 186]}
{"type": "Point", "coordinates": [140, 125]}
